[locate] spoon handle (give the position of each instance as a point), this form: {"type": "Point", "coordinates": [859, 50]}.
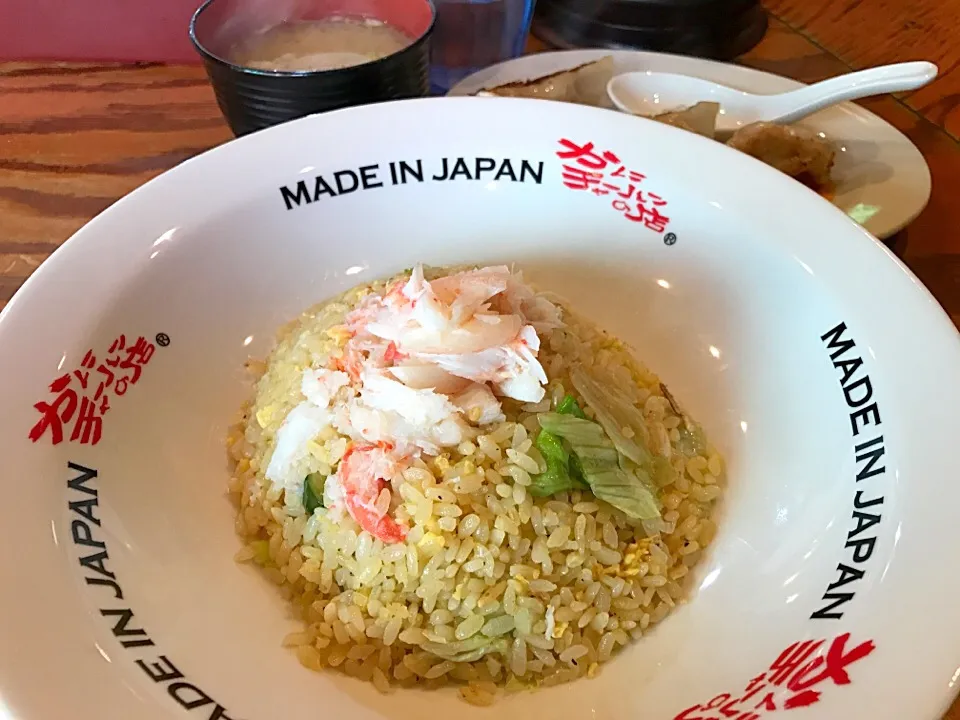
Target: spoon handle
{"type": "Point", "coordinates": [797, 104]}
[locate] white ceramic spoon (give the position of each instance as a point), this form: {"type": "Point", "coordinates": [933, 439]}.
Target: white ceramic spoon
{"type": "Point", "coordinates": [652, 93]}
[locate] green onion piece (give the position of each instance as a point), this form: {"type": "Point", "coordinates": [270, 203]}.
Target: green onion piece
{"type": "Point", "coordinates": [313, 492]}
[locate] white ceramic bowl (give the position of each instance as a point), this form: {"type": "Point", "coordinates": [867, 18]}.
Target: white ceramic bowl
{"type": "Point", "coordinates": [768, 313]}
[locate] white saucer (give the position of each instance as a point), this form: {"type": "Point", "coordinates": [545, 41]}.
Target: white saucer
{"type": "Point", "coordinates": [877, 166]}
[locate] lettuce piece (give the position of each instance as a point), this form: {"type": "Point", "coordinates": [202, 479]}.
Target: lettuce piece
{"type": "Point", "coordinates": [576, 472]}
{"type": "Point", "coordinates": [551, 447]}
{"type": "Point", "coordinates": [625, 492]}
{"type": "Point", "coordinates": [611, 480]}
{"type": "Point", "coordinates": [574, 430]}
{"type": "Point", "coordinates": [558, 476]}
{"type": "Point", "coordinates": [614, 414]}
{"type": "Point", "coordinates": [597, 459]}
{"type": "Point", "coordinates": [569, 406]}
{"type": "Point", "coordinates": [610, 475]}
{"type": "Point", "coordinates": [663, 472]}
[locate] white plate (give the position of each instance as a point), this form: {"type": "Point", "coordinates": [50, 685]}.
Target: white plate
{"type": "Point", "coordinates": [120, 598]}
{"type": "Point", "coordinates": [877, 166]}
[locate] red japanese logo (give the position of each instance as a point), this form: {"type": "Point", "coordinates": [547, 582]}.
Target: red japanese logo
{"type": "Point", "coordinates": [81, 398]}
{"type": "Point", "coordinates": [789, 683]}
{"type": "Point", "coordinates": [587, 169]}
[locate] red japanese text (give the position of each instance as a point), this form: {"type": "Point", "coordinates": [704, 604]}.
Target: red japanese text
{"type": "Point", "coordinates": [601, 173]}
{"type": "Point", "coordinates": [79, 399]}
{"type": "Point", "coordinates": [795, 679]}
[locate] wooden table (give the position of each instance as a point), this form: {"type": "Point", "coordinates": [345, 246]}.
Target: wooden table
{"type": "Point", "coordinates": [74, 138]}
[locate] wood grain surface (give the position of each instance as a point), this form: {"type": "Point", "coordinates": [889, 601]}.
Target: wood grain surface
{"type": "Point", "coordinates": [862, 34]}
{"type": "Point", "coordinates": [75, 138]}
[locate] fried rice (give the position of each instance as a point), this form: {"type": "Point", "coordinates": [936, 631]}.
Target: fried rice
{"type": "Point", "coordinates": [492, 587]}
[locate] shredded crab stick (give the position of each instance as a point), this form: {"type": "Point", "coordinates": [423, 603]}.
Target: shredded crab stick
{"type": "Point", "coordinates": [412, 420]}
{"type": "Point", "coordinates": [479, 325]}
{"type": "Point", "coordinates": [363, 476]}
{"type": "Point", "coordinates": [420, 369]}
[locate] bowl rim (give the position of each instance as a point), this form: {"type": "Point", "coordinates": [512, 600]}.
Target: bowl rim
{"type": "Point", "coordinates": [342, 73]}
{"type": "Point", "coordinates": [934, 314]}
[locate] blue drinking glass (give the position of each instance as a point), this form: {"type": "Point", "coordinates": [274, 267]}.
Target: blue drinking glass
{"type": "Point", "coordinates": [470, 35]}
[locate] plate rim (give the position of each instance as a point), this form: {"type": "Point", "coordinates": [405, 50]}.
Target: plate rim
{"type": "Point", "coordinates": [469, 85]}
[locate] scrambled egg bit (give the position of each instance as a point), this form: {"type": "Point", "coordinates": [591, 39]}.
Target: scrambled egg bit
{"type": "Point", "coordinates": [553, 630]}
{"type": "Point", "coordinates": [264, 415]}
{"type": "Point", "coordinates": [522, 582]}
{"type": "Point", "coordinates": [339, 334]}
{"type": "Point", "coordinates": [431, 544]}
{"type": "Point", "coordinates": [636, 554]}
{"type": "Point", "coordinates": [442, 462]}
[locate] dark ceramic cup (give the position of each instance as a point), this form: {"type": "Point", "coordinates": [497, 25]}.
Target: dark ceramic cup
{"type": "Point", "coordinates": [251, 99]}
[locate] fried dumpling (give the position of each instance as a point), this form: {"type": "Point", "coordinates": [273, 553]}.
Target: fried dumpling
{"type": "Point", "coordinates": [585, 85]}
{"type": "Point", "coordinates": [700, 118]}
{"type": "Point", "coordinates": [791, 149]}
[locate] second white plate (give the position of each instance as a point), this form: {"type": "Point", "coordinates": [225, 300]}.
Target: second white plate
{"type": "Point", "coordinates": [882, 180]}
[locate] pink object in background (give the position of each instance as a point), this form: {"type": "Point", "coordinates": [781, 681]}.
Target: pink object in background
{"type": "Point", "coordinates": [98, 30]}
